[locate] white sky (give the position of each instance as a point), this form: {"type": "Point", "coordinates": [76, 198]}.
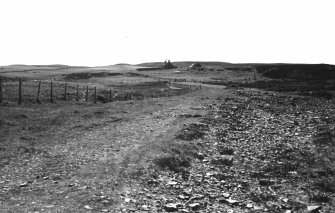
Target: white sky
{"type": "Point", "coordinates": [104, 32]}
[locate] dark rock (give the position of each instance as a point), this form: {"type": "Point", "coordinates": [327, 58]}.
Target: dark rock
{"type": "Point", "coordinates": [101, 98]}
{"type": "Point", "coordinates": [266, 182]}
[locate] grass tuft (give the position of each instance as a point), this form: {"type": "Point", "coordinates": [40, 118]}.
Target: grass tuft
{"type": "Point", "coordinates": [174, 163]}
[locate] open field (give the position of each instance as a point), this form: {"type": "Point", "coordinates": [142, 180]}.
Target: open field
{"type": "Point", "coordinates": [223, 138]}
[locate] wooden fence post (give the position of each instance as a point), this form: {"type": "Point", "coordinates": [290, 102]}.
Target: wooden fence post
{"type": "Point", "coordinates": [1, 92]}
{"type": "Point", "coordinates": [77, 98]}
{"type": "Point", "coordinates": [38, 92]}
{"type": "Point", "coordinates": [51, 92]}
{"type": "Point", "coordinates": [65, 91]}
{"type": "Point", "coordinates": [95, 95]}
{"type": "Point", "coordinates": [86, 95]}
{"type": "Point", "coordinates": [20, 92]}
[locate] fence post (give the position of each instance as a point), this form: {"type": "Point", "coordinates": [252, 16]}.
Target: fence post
{"type": "Point", "coordinates": [86, 95]}
{"type": "Point", "coordinates": [1, 92]}
{"type": "Point", "coordinates": [38, 92]}
{"type": "Point", "coordinates": [77, 98]}
{"type": "Point", "coordinates": [20, 92]}
{"type": "Point", "coordinates": [65, 91]}
{"type": "Point", "coordinates": [51, 92]}
{"type": "Point", "coordinates": [110, 95]}
{"type": "Point", "coordinates": [95, 95]}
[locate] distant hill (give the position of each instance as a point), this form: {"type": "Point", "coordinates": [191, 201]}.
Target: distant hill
{"type": "Point", "coordinates": [121, 64]}
{"type": "Point", "coordinates": [274, 70]}
{"type": "Point", "coordinates": [185, 63]}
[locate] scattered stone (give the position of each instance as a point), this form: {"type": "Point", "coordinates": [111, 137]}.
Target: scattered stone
{"type": "Point", "coordinates": [194, 206]}
{"type": "Point", "coordinates": [230, 201]}
{"type": "Point", "coordinates": [199, 155]}
{"type": "Point", "coordinates": [258, 208]}
{"type": "Point", "coordinates": [183, 197]}
{"type": "Point", "coordinates": [145, 208]}
{"type": "Point", "coordinates": [313, 209]}
{"type": "Point", "coordinates": [171, 207]}
{"type": "Point", "coordinates": [285, 200]}
{"type": "Point", "coordinates": [88, 207]}
{"type": "Point", "coordinates": [153, 182]}
{"type": "Point", "coordinates": [172, 183]}
{"type": "Point", "coordinates": [83, 187]}
{"type": "Point", "coordinates": [71, 184]}
{"type": "Point", "coordinates": [226, 195]}
{"type": "Point", "coordinates": [23, 184]}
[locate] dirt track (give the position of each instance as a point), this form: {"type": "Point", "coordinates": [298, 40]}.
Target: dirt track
{"type": "Point", "coordinates": [83, 158]}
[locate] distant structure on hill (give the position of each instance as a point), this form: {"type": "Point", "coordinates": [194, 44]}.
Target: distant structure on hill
{"type": "Point", "coordinates": [168, 65]}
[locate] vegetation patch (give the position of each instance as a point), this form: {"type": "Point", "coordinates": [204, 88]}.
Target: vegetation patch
{"type": "Point", "coordinates": [224, 150]}
{"type": "Point", "coordinates": [326, 184]}
{"type": "Point", "coordinates": [88, 75]}
{"type": "Point", "coordinates": [193, 132]}
{"type": "Point", "coordinates": [176, 163]}
{"type": "Point", "coordinates": [321, 197]}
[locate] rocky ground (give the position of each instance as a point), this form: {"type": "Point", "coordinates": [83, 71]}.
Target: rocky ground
{"type": "Point", "coordinates": [212, 150]}
{"type": "Point", "coordinates": [258, 152]}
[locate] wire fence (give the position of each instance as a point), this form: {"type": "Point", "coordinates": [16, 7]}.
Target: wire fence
{"type": "Point", "coordinates": [33, 91]}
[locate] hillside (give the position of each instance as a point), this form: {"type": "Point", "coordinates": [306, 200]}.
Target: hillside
{"type": "Point", "coordinates": [275, 70]}
{"type": "Point", "coordinates": [185, 63]}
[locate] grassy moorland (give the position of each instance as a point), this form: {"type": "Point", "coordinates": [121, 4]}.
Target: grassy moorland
{"type": "Point", "coordinates": [218, 138]}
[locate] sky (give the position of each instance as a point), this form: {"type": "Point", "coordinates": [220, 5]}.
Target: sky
{"type": "Point", "coordinates": [105, 32]}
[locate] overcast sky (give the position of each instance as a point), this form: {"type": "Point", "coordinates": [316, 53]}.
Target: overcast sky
{"type": "Point", "coordinates": [104, 32]}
